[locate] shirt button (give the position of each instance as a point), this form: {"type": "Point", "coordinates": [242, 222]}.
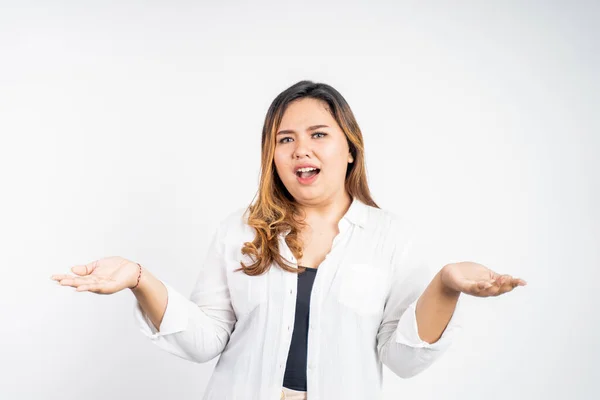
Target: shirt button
{"type": "Point", "coordinates": [291, 291]}
{"type": "Point", "coordinates": [289, 328]}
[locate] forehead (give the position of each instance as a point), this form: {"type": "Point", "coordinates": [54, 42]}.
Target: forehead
{"type": "Point", "coordinates": [306, 112]}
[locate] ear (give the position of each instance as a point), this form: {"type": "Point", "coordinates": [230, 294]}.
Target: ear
{"type": "Point", "coordinates": [350, 158]}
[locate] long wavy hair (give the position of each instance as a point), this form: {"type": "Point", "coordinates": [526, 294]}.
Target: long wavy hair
{"type": "Point", "coordinates": [275, 211]}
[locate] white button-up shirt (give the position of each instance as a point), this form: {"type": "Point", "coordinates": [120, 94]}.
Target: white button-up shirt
{"type": "Point", "coordinates": [362, 313]}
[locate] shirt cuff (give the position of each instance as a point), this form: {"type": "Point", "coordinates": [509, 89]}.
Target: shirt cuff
{"type": "Point", "coordinates": [407, 331]}
{"type": "Point", "coordinates": [175, 319]}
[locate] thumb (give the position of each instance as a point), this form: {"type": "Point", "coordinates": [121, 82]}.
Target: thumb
{"type": "Point", "coordinates": [84, 269]}
{"type": "Point", "coordinates": [483, 285]}
{"type": "Point", "coordinates": [476, 286]}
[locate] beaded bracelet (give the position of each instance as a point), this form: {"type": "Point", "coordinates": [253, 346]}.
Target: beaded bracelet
{"type": "Point", "coordinates": [139, 276]}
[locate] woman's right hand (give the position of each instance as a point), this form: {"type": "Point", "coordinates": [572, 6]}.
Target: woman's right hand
{"type": "Point", "coordinates": [105, 276]}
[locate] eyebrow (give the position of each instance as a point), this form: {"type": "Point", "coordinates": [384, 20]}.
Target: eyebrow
{"type": "Point", "coordinates": [310, 128]}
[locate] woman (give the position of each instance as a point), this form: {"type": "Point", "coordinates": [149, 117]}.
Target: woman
{"type": "Point", "coordinates": [308, 291]}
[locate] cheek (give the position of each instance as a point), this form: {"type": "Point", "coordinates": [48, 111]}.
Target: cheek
{"type": "Point", "coordinates": [280, 164]}
{"type": "Point", "coordinates": [335, 156]}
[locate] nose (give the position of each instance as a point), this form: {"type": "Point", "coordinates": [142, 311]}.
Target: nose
{"type": "Point", "coordinates": [302, 148]}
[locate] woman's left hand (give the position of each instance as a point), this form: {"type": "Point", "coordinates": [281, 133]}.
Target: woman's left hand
{"type": "Point", "coordinates": [477, 280]}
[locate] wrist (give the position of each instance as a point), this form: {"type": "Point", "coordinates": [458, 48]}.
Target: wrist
{"type": "Point", "coordinates": [447, 290]}
{"type": "Point", "coordinates": [137, 280]}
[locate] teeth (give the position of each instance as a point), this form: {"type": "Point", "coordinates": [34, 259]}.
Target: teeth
{"type": "Point", "coordinates": [305, 169]}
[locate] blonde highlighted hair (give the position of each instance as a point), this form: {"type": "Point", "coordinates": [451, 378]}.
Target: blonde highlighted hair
{"type": "Point", "coordinates": [275, 211]}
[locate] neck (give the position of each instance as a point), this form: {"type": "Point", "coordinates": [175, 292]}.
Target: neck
{"type": "Point", "coordinates": [330, 211]}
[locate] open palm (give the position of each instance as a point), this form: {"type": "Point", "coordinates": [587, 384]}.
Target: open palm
{"type": "Point", "coordinates": [477, 280]}
{"type": "Point", "coordinates": [104, 276]}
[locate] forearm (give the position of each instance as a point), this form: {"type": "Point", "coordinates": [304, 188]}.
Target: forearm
{"type": "Point", "coordinates": [434, 309]}
{"type": "Point", "coordinates": [152, 296]}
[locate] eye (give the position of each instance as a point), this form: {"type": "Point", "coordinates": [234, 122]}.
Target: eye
{"type": "Point", "coordinates": [316, 133]}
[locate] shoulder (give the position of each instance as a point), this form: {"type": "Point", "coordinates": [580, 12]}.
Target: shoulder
{"type": "Point", "coordinates": [235, 217]}
{"type": "Point", "coordinates": [413, 248]}
{"type": "Point", "coordinates": [398, 227]}
{"type": "Point", "coordinates": [233, 227]}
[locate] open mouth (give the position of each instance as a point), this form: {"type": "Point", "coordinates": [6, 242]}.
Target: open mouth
{"type": "Point", "coordinates": [308, 174]}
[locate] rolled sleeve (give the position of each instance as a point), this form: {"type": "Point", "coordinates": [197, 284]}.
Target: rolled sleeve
{"type": "Point", "coordinates": [198, 327]}
{"type": "Point", "coordinates": [175, 318]}
{"type": "Point", "coordinates": [398, 342]}
{"type": "Point", "coordinates": [407, 331]}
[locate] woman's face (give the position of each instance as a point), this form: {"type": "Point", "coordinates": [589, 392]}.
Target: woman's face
{"type": "Point", "coordinates": [310, 136]}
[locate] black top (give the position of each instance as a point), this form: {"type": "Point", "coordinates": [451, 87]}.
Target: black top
{"type": "Point", "coordinates": [295, 370]}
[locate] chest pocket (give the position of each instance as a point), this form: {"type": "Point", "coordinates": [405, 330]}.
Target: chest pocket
{"type": "Point", "coordinates": [363, 288]}
{"type": "Point", "coordinates": [247, 292]}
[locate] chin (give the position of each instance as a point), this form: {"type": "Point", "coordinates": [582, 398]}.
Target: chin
{"type": "Point", "coordinates": [307, 197]}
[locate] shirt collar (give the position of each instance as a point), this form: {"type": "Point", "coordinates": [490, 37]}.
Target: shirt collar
{"type": "Point", "coordinates": [356, 214]}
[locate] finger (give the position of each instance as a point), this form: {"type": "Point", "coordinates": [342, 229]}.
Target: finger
{"type": "Point", "coordinates": [77, 281]}
{"type": "Point", "coordinates": [471, 287]}
{"type": "Point", "coordinates": [504, 289]}
{"type": "Point", "coordinates": [84, 269]}
{"type": "Point", "coordinates": [88, 287]}
{"type": "Point", "coordinates": [482, 285]}
{"type": "Point", "coordinates": [80, 270]}
{"type": "Point", "coordinates": [99, 287]}
{"type": "Point", "coordinates": [478, 288]}
{"type": "Point", "coordinates": [494, 275]}
{"type": "Point", "coordinates": [494, 290]}
{"type": "Point", "coordinates": [58, 277]}
{"type": "Point", "coordinates": [69, 279]}
{"type": "Point", "coordinates": [501, 281]}
{"type": "Point", "coordinates": [511, 284]}
{"type": "Point", "coordinates": [508, 279]}
{"type": "Point", "coordinates": [491, 288]}
{"type": "Point", "coordinates": [508, 284]}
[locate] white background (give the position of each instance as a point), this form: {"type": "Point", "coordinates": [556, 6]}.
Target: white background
{"type": "Point", "coordinates": [132, 128]}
